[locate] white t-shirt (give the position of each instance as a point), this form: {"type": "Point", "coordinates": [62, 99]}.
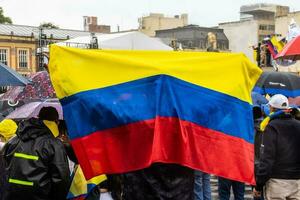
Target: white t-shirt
{"type": "Point", "coordinates": [105, 196]}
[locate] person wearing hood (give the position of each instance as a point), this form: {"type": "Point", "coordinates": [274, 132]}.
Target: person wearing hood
{"type": "Point", "coordinates": [7, 130]}
{"type": "Point", "coordinates": [278, 171]}
{"type": "Point", "coordinates": [35, 161]}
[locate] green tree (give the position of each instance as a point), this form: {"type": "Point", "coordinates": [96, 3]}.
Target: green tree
{"type": "Point", "coordinates": [48, 25]}
{"type": "Point", "coordinates": [3, 19]}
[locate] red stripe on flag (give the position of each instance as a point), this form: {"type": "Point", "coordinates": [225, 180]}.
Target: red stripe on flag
{"type": "Point", "coordinates": [168, 140]}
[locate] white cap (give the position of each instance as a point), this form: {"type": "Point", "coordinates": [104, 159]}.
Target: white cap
{"type": "Point", "coordinates": [279, 101]}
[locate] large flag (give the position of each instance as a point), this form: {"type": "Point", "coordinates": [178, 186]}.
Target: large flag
{"type": "Point", "coordinates": [128, 109]}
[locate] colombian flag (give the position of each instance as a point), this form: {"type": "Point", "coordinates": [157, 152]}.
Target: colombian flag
{"type": "Point", "coordinates": [128, 109]}
{"type": "Point", "coordinates": [274, 46]}
{"type": "Point", "coordinates": [80, 187]}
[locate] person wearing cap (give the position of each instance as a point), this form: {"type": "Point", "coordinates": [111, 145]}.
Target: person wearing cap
{"type": "Point", "coordinates": [278, 170]}
{"type": "Point", "coordinates": [35, 160]}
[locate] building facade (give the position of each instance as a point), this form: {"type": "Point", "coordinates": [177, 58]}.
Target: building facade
{"type": "Point", "coordinates": [193, 37]}
{"type": "Point", "coordinates": [18, 53]}
{"type": "Point", "coordinates": [257, 21]}
{"type": "Point", "coordinates": [90, 24]}
{"type": "Point", "coordinates": [156, 21]}
{"type": "Point", "coordinates": [282, 22]}
{"type": "Point", "coordinates": [19, 44]}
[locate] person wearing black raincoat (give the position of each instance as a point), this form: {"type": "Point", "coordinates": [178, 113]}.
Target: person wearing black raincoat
{"type": "Point", "coordinates": [36, 162]}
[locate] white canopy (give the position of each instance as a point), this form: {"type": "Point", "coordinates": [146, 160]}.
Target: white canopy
{"type": "Point", "coordinates": [128, 40]}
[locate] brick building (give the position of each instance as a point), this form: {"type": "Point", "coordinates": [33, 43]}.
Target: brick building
{"type": "Point", "coordinates": [90, 24]}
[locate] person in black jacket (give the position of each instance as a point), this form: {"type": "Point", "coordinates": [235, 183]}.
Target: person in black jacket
{"type": "Point", "coordinates": [258, 139]}
{"type": "Point", "coordinates": [279, 166]}
{"type": "Point", "coordinates": [8, 129]}
{"type": "Point", "coordinates": [36, 162]}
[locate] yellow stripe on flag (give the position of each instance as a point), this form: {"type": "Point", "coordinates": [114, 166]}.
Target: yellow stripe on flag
{"type": "Point", "coordinates": [76, 70]}
{"type": "Point", "coordinates": [79, 185]}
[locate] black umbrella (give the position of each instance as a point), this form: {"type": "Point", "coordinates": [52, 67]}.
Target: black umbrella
{"type": "Point", "coordinates": [284, 83]}
{"type": "Point", "coordinates": [9, 77]}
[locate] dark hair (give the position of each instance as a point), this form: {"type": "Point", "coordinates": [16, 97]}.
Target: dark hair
{"type": "Point", "coordinates": [48, 113]}
{"type": "Point", "coordinates": [257, 112]}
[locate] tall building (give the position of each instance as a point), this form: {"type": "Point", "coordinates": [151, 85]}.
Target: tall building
{"type": "Point", "coordinates": [193, 37]}
{"type": "Point", "coordinates": [156, 21]}
{"type": "Point", "coordinates": [19, 44]}
{"type": "Point", "coordinates": [90, 24]}
{"type": "Point", "coordinates": [257, 21]}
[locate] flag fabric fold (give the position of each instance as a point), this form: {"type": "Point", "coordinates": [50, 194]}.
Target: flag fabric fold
{"type": "Point", "coordinates": [128, 109]}
{"type": "Point", "coordinates": [274, 46]}
{"type": "Point", "coordinates": [80, 187]}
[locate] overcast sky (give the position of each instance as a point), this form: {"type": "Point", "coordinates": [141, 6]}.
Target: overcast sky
{"type": "Point", "coordinates": [68, 13]}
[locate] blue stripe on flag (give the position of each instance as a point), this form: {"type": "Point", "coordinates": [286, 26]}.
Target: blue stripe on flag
{"type": "Point", "coordinates": [160, 95]}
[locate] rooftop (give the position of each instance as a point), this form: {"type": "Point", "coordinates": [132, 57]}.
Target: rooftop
{"type": "Point", "coordinates": [260, 8]}
{"type": "Point", "coordinates": [192, 31]}
{"type": "Point", "coordinates": [29, 31]}
{"type": "Point", "coordinates": [161, 15]}
{"type": "Point", "coordinates": [195, 27]}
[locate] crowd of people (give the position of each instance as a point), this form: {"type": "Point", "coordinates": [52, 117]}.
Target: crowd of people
{"type": "Point", "coordinates": [262, 55]}
{"type": "Point", "coordinates": [36, 155]}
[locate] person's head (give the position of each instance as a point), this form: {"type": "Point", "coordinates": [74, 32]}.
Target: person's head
{"type": "Point", "coordinates": [278, 102]}
{"type": "Point", "coordinates": [48, 113]}
{"type": "Point", "coordinates": [257, 112]}
{"type": "Point", "coordinates": [8, 129]}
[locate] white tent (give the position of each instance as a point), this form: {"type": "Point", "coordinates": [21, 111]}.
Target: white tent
{"type": "Point", "coordinates": [128, 40]}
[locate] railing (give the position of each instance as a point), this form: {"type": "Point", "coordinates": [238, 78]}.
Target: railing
{"type": "Point", "coordinates": [78, 45]}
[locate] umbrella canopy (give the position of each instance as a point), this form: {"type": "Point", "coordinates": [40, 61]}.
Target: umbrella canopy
{"type": "Point", "coordinates": [284, 83]}
{"type": "Point", "coordinates": [291, 50]}
{"type": "Point", "coordinates": [294, 101]}
{"type": "Point", "coordinates": [39, 88]}
{"type": "Point", "coordinates": [9, 77]}
{"type": "Point", "coordinates": [32, 109]}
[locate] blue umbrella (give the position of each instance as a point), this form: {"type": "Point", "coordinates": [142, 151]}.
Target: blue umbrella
{"type": "Point", "coordinates": [9, 77]}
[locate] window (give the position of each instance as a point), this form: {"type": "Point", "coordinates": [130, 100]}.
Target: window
{"type": "Point", "coordinates": [263, 27]}
{"type": "Point", "coordinates": [3, 56]}
{"type": "Point", "coordinates": [23, 58]}
{"type": "Point", "coordinates": [271, 27]}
